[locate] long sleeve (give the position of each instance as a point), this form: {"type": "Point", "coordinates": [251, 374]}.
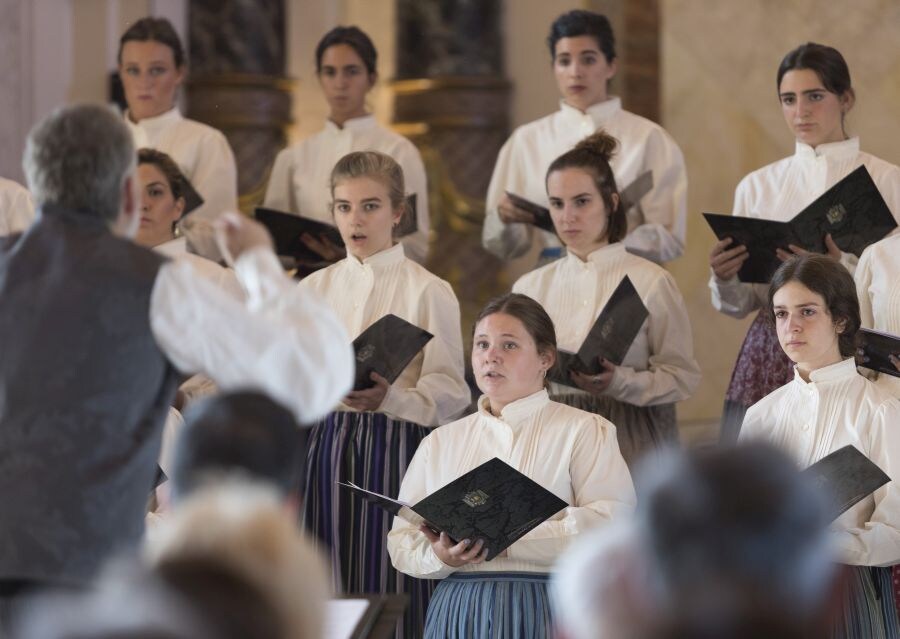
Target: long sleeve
{"type": "Point", "coordinates": [415, 244]}
{"type": "Point", "coordinates": [409, 549]}
{"type": "Point", "coordinates": [283, 340]}
{"type": "Point", "coordinates": [506, 241]}
{"type": "Point", "coordinates": [863, 278]}
{"type": "Point", "coordinates": [279, 193]}
{"type": "Point", "coordinates": [672, 372]}
{"type": "Point", "coordinates": [603, 491]}
{"type": "Point", "coordinates": [215, 177]}
{"type": "Point", "coordinates": [441, 392]}
{"type": "Point", "coordinates": [661, 237]}
{"type": "Point", "coordinates": [877, 541]}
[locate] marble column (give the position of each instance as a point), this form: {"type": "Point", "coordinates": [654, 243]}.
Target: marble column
{"type": "Point", "coordinates": [237, 82]}
{"type": "Point", "coordinates": [452, 100]}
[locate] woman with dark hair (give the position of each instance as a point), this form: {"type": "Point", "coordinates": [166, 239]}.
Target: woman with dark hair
{"type": "Point", "coordinates": [152, 68]}
{"type": "Point", "coordinates": [659, 369]}
{"type": "Point", "coordinates": [829, 405]}
{"type": "Point", "coordinates": [814, 89]}
{"type": "Point", "coordinates": [582, 49]}
{"type": "Point", "coordinates": [570, 452]}
{"type": "Point", "coordinates": [346, 68]}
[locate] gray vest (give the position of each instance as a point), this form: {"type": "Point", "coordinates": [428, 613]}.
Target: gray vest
{"type": "Point", "coordinates": [84, 391]}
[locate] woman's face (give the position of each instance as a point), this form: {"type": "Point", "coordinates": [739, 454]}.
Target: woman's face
{"type": "Point", "coordinates": [159, 209]}
{"type": "Point", "coordinates": [364, 216]}
{"type": "Point", "coordinates": [149, 77]}
{"type": "Point", "coordinates": [345, 82]}
{"type": "Point", "coordinates": [814, 114]}
{"type": "Point", "coordinates": [505, 360]}
{"type": "Point", "coordinates": [805, 328]}
{"type": "Point", "coordinates": [582, 71]}
{"type": "Point", "coordinates": [578, 211]}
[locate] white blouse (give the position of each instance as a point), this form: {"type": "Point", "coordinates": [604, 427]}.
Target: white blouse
{"type": "Point", "coordinates": [431, 390]}
{"type": "Point", "coordinates": [659, 367]}
{"type": "Point", "coordinates": [204, 156]}
{"type": "Point", "coordinates": [16, 207]}
{"type": "Point", "coordinates": [656, 228]}
{"type": "Point", "coordinates": [878, 288]}
{"type": "Point", "coordinates": [300, 177]}
{"type": "Point", "coordinates": [782, 189]}
{"type": "Point", "coordinates": [222, 277]}
{"type": "Point", "coordinates": [572, 453]}
{"type": "Point", "coordinates": [837, 407]}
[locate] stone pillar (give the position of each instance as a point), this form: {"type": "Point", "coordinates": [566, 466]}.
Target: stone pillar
{"type": "Point", "coordinates": [641, 43]}
{"type": "Point", "coordinates": [237, 83]}
{"type": "Point", "coordinates": [451, 99]}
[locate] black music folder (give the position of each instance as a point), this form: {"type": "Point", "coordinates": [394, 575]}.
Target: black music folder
{"type": "Point", "coordinates": [610, 337]}
{"type": "Point", "coordinates": [630, 196]}
{"type": "Point", "coordinates": [847, 477]}
{"type": "Point", "coordinates": [192, 199]}
{"type": "Point", "coordinates": [874, 350]}
{"type": "Point", "coordinates": [386, 348]}
{"type": "Point", "coordinates": [409, 222]}
{"type": "Point", "coordinates": [852, 210]}
{"type": "Point", "coordinates": [286, 229]}
{"type": "Point", "coordinates": [493, 502]}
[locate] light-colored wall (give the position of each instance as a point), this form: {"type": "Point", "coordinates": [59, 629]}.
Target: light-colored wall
{"type": "Point", "coordinates": [719, 61]}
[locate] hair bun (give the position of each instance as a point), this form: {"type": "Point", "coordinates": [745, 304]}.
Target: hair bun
{"type": "Point", "coordinates": [600, 143]}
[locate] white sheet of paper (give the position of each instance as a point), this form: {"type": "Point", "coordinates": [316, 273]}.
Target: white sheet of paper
{"type": "Point", "coordinates": [342, 616]}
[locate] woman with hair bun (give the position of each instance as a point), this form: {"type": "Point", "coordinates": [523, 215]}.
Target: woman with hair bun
{"type": "Point", "coordinates": [813, 84]}
{"type": "Point", "coordinates": [152, 68]}
{"type": "Point", "coordinates": [659, 369]}
{"type": "Point", "coordinates": [826, 406]}
{"type": "Point", "coordinates": [583, 55]}
{"type": "Point", "coordinates": [346, 68]}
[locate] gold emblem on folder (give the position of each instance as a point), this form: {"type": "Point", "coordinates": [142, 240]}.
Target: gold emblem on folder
{"type": "Point", "coordinates": [365, 353]}
{"type": "Point", "coordinates": [836, 214]}
{"type": "Point", "coordinates": [476, 498]}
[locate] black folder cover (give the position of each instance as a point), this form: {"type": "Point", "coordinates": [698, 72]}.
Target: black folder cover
{"type": "Point", "coordinates": [610, 337]}
{"type": "Point", "coordinates": [847, 477]}
{"type": "Point", "coordinates": [852, 210]}
{"type": "Point", "coordinates": [286, 229]}
{"type": "Point", "coordinates": [494, 502]}
{"type": "Point", "coordinates": [192, 199]}
{"type": "Point", "coordinates": [409, 223]}
{"type": "Point", "coordinates": [386, 347]}
{"type": "Point", "coordinates": [630, 196]}
{"type": "Point", "coordinates": [874, 350]}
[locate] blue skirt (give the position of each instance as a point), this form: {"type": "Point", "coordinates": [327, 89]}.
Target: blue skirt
{"type": "Point", "coordinates": [490, 605]}
{"type": "Point", "coordinates": [868, 610]}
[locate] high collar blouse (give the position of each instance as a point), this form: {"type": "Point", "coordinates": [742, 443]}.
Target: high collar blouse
{"type": "Point", "coordinates": [660, 366]}
{"type": "Point", "coordinates": [432, 389]}
{"type": "Point", "coordinates": [781, 190]}
{"type": "Point", "coordinates": [299, 182]}
{"type": "Point", "coordinates": [204, 156]}
{"type": "Point", "coordinates": [656, 228]}
{"type": "Point", "coordinates": [878, 287]}
{"type": "Point", "coordinates": [570, 452]}
{"type": "Point", "coordinates": [837, 407]}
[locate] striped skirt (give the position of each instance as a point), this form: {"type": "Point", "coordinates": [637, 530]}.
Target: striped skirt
{"type": "Point", "coordinates": [373, 451]}
{"type": "Point", "coordinates": [638, 428]}
{"type": "Point", "coordinates": [868, 610]}
{"type": "Point", "coordinates": [490, 605]}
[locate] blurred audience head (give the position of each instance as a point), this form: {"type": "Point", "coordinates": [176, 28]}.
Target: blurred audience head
{"type": "Point", "coordinates": [239, 433]}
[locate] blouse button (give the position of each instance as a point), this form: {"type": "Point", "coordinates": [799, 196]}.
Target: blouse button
{"type": "Point", "coordinates": [805, 426]}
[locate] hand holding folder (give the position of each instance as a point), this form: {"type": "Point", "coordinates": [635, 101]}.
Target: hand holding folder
{"type": "Point", "coordinates": [878, 351]}
{"type": "Point", "coordinates": [847, 477]}
{"type": "Point", "coordinates": [386, 348]}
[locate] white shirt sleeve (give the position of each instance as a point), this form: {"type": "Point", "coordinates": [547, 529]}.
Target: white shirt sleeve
{"type": "Point", "coordinates": [661, 237]}
{"type": "Point", "coordinates": [506, 241]}
{"type": "Point", "coordinates": [279, 192]}
{"type": "Point", "coordinates": [16, 210]}
{"type": "Point", "coordinates": [603, 491]}
{"type": "Point", "coordinates": [283, 341]}
{"type": "Point", "coordinates": [863, 278]}
{"type": "Point", "coordinates": [416, 244]}
{"type": "Point", "coordinates": [215, 178]}
{"type": "Point", "coordinates": [672, 372]}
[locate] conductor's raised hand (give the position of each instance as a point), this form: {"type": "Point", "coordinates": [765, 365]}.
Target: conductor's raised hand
{"type": "Point", "coordinates": [239, 234]}
{"type": "Point", "coordinates": [455, 555]}
{"type": "Point", "coordinates": [511, 213]}
{"type": "Point", "coordinates": [725, 261]}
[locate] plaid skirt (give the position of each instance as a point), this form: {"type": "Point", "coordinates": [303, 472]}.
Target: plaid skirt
{"type": "Point", "coordinates": [372, 451]}
{"type": "Point", "coordinates": [490, 605]}
{"type": "Point", "coordinates": [639, 429]}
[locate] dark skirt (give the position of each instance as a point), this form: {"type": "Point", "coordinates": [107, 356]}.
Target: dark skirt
{"type": "Point", "coordinates": [372, 451]}
{"type": "Point", "coordinates": [490, 605]}
{"type": "Point", "coordinates": [761, 368]}
{"type": "Point", "coordinates": [639, 429]}
{"type": "Point", "coordinates": [868, 609]}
